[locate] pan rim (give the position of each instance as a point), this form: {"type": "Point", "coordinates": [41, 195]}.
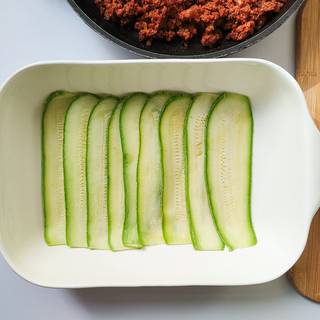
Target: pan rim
{"type": "Point", "coordinates": [237, 47]}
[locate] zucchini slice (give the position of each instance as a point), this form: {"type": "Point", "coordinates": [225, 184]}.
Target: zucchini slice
{"type": "Point", "coordinates": [228, 168]}
{"type": "Point", "coordinates": [204, 234]}
{"type": "Point", "coordinates": [175, 217]}
{"type": "Point", "coordinates": [149, 174]}
{"type": "Point", "coordinates": [97, 228]}
{"type": "Point", "coordinates": [74, 162]}
{"type": "Point", "coordinates": [129, 130]}
{"type": "Point", "coordinates": [52, 167]}
{"type": "Point", "coordinates": [115, 193]}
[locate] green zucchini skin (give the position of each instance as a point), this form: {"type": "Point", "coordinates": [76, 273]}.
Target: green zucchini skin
{"type": "Point", "coordinates": [204, 233]}
{"type": "Point", "coordinates": [175, 217]}
{"type": "Point", "coordinates": [115, 190]}
{"type": "Point", "coordinates": [147, 169]}
{"type": "Point", "coordinates": [229, 138]}
{"type": "Point", "coordinates": [97, 223]}
{"type": "Point", "coordinates": [74, 164]}
{"type": "Point", "coordinates": [149, 172]}
{"type": "Point", "coordinates": [53, 119]}
{"type": "Point", "coordinates": [130, 141]}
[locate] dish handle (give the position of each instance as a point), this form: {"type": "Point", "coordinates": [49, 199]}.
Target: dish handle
{"type": "Point", "coordinates": [314, 169]}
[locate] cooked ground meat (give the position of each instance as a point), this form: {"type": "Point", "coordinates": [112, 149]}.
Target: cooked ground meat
{"type": "Point", "coordinates": [212, 20]}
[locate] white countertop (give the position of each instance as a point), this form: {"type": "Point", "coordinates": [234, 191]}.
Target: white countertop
{"type": "Point", "coordinates": [49, 30]}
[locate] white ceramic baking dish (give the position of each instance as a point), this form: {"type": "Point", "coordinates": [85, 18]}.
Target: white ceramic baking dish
{"type": "Point", "coordinates": [286, 175]}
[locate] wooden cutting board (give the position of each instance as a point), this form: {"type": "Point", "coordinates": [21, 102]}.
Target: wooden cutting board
{"type": "Point", "coordinates": [305, 274]}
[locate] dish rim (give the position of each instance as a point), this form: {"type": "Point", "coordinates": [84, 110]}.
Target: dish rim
{"type": "Point", "coordinates": [272, 65]}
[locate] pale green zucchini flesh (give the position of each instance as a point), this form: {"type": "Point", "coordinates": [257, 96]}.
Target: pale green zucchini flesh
{"type": "Point", "coordinates": [175, 216]}
{"type": "Point", "coordinates": [97, 227]}
{"type": "Point", "coordinates": [146, 170]}
{"type": "Point", "coordinates": [149, 175]}
{"type": "Point", "coordinates": [203, 230]}
{"type": "Point", "coordinates": [228, 168]}
{"type": "Point", "coordinates": [115, 191]}
{"type": "Point", "coordinates": [75, 150]}
{"type": "Point", "coordinates": [52, 167]}
{"type": "Point", "coordinates": [130, 141]}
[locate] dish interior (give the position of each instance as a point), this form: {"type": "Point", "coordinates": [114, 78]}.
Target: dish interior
{"type": "Point", "coordinates": [284, 184]}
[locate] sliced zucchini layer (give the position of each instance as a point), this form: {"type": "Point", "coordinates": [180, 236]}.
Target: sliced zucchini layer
{"type": "Point", "coordinates": [150, 171]}
{"type": "Point", "coordinates": [228, 168]}
{"type": "Point", "coordinates": [130, 141]}
{"type": "Point", "coordinates": [97, 233]}
{"type": "Point", "coordinates": [175, 217]}
{"type": "Point", "coordinates": [121, 173]}
{"type": "Point", "coordinates": [75, 150]}
{"type": "Point", "coordinates": [52, 167]}
{"type": "Point", "coordinates": [115, 194]}
{"type": "Point", "coordinates": [203, 230]}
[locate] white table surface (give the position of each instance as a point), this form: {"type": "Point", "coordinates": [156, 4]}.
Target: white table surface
{"type": "Point", "coordinates": [49, 30]}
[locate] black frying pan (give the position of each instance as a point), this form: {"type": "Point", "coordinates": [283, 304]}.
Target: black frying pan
{"type": "Point", "coordinates": [161, 49]}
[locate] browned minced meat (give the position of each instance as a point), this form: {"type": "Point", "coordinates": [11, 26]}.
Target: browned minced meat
{"type": "Point", "coordinates": [212, 20]}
